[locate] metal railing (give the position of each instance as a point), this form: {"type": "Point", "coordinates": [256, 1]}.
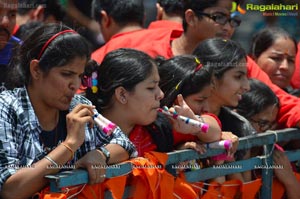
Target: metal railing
{"type": "Point", "coordinates": [267, 139]}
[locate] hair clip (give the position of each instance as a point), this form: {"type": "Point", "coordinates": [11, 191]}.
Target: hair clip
{"type": "Point", "coordinates": [94, 82]}
{"type": "Point", "coordinates": [177, 86]}
{"type": "Point", "coordinates": [199, 64]}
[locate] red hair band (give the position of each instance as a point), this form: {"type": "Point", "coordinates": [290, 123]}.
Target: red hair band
{"type": "Point", "coordinates": [52, 38]}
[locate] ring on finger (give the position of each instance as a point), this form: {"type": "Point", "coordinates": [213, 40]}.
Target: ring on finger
{"type": "Point", "coordinates": [103, 176]}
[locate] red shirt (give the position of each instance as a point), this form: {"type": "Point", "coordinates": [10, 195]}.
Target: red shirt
{"type": "Point", "coordinates": [152, 41]}
{"type": "Point", "coordinates": [142, 140]}
{"type": "Point", "coordinates": [295, 82]}
{"type": "Point", "coordinates": [171, 25]}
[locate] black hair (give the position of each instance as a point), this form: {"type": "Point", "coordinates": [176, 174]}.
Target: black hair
{"type": "Point", "coordinates": [178, 75]}
{"type": "Point", "coordinates": [172, 7]}
{"type": "Point", "coordinates": [197, 6]}
{"type": "Point", "coordinates": [220, 54]}
{"type": "Point", "coordinates": [266, 38]}
{"type": "Point", "coordinates": [258, 98]}
{"type": "Point", "coordinates": [60, 51]}
{"type": "Point", "coordinates": [51, 7]}
{"type": "Point", "coordinates": [26, 29]}
{"type": "Point", "coordinates": [122, 67]}
{"type": "Point", "coordinates": [123, 12]}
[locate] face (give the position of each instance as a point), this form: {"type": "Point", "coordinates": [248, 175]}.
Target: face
{"type": "Point", "coordinates": [229, 89]}
{"type": "Point", "coordinates": [57, 88]}
{"type": "Point", "coordinates": [8, 10]}
{"type": "Point", "coordinates": [278, 61]}
{"type": "Point", "coordinates": [144, 100]}
{"type": "Point", "coordinates": [211, 27]}
{"type": "Point", "coordinates": [265, 120]}
{"type": "Point", "coordinates": [198, 101]}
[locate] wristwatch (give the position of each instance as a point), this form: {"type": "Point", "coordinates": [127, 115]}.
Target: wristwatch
{"type": "Point", "coordinates": [105, 152]}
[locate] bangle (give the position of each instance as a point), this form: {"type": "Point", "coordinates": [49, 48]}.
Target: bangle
{"type": "Point", "coordinates": [70, 149]}
{"type": "Point", "coordinates": [51, 160]}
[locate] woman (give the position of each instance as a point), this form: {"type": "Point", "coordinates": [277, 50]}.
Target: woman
{"type": "Point", "coordinates": [274, 50]}
{"type": "Point", "coordinates": [260, 106]}
{"type": "Point", "coordinates": [228, 62]}
{"type": "Point", "coordinates": [184, 77]}
{"type": "Point", "coordinates": [40, 131]}
{"type": "Point", "coordinates": [129, 95]}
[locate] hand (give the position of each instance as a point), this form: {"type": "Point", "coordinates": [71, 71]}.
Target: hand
{"type": "Point", "coordinates": [76, 121]}
{"type": "Point", "coordinates": [94, 162]}
{"type": "Point", "coordinates": [285, 173]}
{"type": "Point", "coordinates": [183, 109]}
{"type": "Point", "coordinates": [200, 148]}
{"type": "Point", "coordinates": [225, 135]}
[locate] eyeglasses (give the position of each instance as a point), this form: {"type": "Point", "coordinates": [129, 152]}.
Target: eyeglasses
{"type": "Point", "coordinates": [263, 124]}
{"type": "Point", "coordinates": [222, 19]}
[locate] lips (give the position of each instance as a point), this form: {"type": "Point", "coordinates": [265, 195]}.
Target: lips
{"type": "Point", "coordinates": [280, 77]}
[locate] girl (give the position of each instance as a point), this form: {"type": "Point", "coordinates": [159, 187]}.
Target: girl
{"type": "Point", "coordinates": [40, 131]}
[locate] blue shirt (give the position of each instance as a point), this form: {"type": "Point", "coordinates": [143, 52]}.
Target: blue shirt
{"type": "Point", "coordinates": [6, 52]}
{"type": "Point", "coordinates": [20, 129]}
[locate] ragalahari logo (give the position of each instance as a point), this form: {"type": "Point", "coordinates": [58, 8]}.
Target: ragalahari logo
{"type": "Point", "coordinates": [237, 8]}
{"type": "Point", "coordinates": [270, 9]}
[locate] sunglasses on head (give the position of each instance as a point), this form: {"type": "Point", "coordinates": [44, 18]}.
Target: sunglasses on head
{"type": "Point", "coordinates": [222, 19]}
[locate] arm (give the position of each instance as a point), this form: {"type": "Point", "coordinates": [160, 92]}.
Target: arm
{"type": "Point", "coordinates": [289, 112]}
{"type": "Point", "coordinates": [214, 130]}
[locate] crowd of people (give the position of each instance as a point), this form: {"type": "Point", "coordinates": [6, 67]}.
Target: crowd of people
{"type": "Point", "coordinates": [56, 80]}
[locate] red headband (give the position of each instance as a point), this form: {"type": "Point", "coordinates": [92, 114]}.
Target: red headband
{"type": "Point", "coordinates": [52, 38]}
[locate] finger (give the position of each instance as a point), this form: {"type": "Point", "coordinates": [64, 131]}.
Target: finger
{"type": "Point", "coordinates": [172, 110]}
{"type": "Point", "coordinates": [102, 175]}
{"type": "Point", "coordinates": [180, 100]}
{"type": "Point", "coordinates": [82, 106]}
{"type": "Point", "coordinates": [85, 112]}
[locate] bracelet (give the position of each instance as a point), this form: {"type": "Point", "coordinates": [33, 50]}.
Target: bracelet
{"type": "Point", "coordinates": [51, 160]}
{"type": "Point", "coordinates": [70, 149]}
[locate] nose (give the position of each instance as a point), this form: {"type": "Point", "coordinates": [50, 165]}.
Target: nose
{"type": "Point", "coordinates": [205, 107]}
{"type": "Point", "coordinates": [160, 94]}
{"type": "Point", "coordinates": [284, 65]}
{"type": "Point", "coordinates": [246, 85]}
{"type": "Point", "coordinates": [4, 21]}
{"type": "Point", "coordinates": [74, 85]}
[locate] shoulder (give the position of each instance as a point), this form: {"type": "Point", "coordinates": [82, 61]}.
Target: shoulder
{"type": "Point", "coordinates": [16, 96]}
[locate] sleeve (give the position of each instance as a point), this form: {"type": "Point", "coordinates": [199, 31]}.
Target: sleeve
{"type": "Point", "coordinates": [289, 112]}
{"type": "Point", "coordinates": [117, 137]}
{"type": "Point", "coordinates": [295, 82]}
{"type": "Point", "coordinates": [8, 146]}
